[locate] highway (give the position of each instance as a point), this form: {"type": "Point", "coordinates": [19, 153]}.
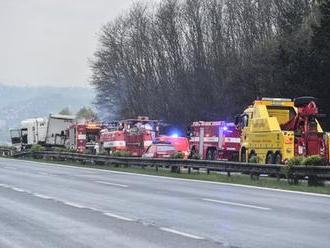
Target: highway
{"type": "Point", "coordinates": [44, 205]}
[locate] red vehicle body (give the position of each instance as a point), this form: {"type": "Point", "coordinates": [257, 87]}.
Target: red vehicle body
{"type": "Point", "coordinates": [133, 136]}
{"type": "Point", "coordinates": [214, 140]}
{"type": "Point", "coordinates": [160, 150]}
{"type": "Point", "coordinates": [181, 144]}
{"type": "Point", "coordinates": [309, 139]}
{"type": "Point", "coordinates": [82, 137]}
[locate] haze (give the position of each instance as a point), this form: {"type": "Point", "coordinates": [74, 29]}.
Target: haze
{"type": "Point", "coordinates": [48, 42]}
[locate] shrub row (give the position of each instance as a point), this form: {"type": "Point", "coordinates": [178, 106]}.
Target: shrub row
{"type": "Point", "coordinates": [314, 160]}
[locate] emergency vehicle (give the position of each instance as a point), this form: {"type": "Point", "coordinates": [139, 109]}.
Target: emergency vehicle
{"type": "Point", "coordinates": [132, 135]}
{"type": "Point", "coordinates": [274, 130]}
{"type": "Point", "coordinates": [84, 136]}
{"type": "Point", "coordinates": [160, 150]}
{"type": "Point", "coordinates": [181, 144]}
{"type": "Point", "coordinates": [214, 140]}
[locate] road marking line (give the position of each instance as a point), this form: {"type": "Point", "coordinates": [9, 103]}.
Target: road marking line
{"type": "Point", "coordinates": [170, 230]}
{"type": "Point", "coordinates": [236, 204]}
{"type": "Point", "coordinates": [72, 204]}
{"type": "Point", "coordinates": [43, 196]}
{"type": "Point", "coordinates": [118, 217]}
{"type": "Point", "coordinates": [172, 178]}
{"type": "Point", "coordinates": [45, 173]}
{"type": "Point", "coordinates": [112, 184]}
{"type": "Point", "coordinates": [17, 189]}
{"type": "Point", "coordinates": [10, 168]}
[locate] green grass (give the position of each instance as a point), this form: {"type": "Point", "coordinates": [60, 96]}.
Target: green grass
{"type": "Point", "coordinates": [214, 177]}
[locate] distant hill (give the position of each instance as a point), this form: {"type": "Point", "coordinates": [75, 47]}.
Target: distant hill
{"type": "Point", "coordinates": [18, 103]}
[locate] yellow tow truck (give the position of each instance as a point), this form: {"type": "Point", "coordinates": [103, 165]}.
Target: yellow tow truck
{"type": "Point", "coordinates": [274, 130]}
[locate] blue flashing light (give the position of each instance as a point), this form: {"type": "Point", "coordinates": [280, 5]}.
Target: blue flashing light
{"type": "Point", "coordinates": [175, 135]}
{"type": "Point", "coordinates": [225, 128]}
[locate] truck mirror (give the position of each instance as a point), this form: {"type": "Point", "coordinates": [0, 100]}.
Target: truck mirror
{"type": "Point", "coordinates": [237, 119]}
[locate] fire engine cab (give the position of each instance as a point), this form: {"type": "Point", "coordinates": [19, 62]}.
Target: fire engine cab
{"type": "Point", "coordinates": [84, 136]}
{"type": "Point", "coordinates": [132, 135]}
{"type": "Point", "coordinates": [214, 140]}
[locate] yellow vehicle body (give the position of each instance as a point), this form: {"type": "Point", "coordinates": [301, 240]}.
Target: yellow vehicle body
{"type": "Point", "coordinates": [328, 145]}
{"type": "Point", "coordinates": [262, 134]}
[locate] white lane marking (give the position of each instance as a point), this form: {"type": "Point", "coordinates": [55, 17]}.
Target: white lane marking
{"type": "Point", "coordinates": [45, 173]}
{"type": "Point", "coordinates": [73, 204]}
{"type": "Point", "coordinates": [112, 184]}
{"type": "Point", "coordinates": [46, 197]}
{"type": "Point", "coordinates": [118, 217]}
{"type": "Point", "coordinates": [236, 204]}
{"type": "Point", "coordinates": [173, 178]}
{"type": "Point", "coordinates": [10, 168]}
{"type": "Point", "coordinates": [17, 189]}
{"type": "Point", "coordinates": [4, 185]}
{"type": "Point", "coordinates": [181, 233]}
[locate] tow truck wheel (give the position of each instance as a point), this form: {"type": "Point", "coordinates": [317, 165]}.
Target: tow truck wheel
{"type": "Point", "coordinates": [278, 158]}
{"type": "Point", "coordinates": [243, 155]}
{"type": "Point", "coordinates": [253, 157]}
{"type": "Point", "coordinates": [192, 153]}
{"type": "Point", "coordinates": [210, 154]}
{"type": "Point", "coordinates": [270, 158]}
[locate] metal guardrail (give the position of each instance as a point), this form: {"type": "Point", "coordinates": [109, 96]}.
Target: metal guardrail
{"type": "Point", "coordinates": [7, 151]}
{"type": "Point", "coordinates": [176, 165]}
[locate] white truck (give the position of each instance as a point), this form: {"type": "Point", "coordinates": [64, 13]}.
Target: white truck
{"type": "Point", "coordinates": [32, 131]}
{"type": "Point", "coordinates": [56, 129]}
{"type": "Point", "coordinates": [44, 131]}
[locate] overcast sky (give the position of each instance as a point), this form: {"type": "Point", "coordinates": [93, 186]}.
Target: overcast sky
{"type": "Point", "coordinates": [48, 42]}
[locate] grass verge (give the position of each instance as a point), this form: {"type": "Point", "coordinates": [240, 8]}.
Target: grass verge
{"type": "Point", "coordinates": [266, 182]}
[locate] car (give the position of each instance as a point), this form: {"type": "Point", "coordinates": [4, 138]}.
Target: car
{"type": "Point", "coordinates": [181, 144]}
{"type": "Point", "coordinates": [160, 150]}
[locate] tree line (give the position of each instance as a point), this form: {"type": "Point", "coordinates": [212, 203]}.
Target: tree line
{"type": "Point", "coordinates": [185, 60]}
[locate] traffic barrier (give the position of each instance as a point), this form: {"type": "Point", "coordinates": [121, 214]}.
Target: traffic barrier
{"type": "Point", "coordinates": [293, 173]}
{"type": "Point", "coordinates": [7, 151]}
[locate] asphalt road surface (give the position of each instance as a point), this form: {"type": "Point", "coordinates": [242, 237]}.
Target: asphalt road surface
{"type": "Point", "coordinates": [59, 206]}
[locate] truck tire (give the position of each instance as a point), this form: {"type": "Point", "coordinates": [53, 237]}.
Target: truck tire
{"type": "Point", "coordinates": [210, 154]}
{"type": "Point", "coordinates": [278, 158]}
{"type": "Point", "coordinates": [270, 158]}
{"type": "Point", "coordinates": [192, 153]}
{"type": "Point", "coordinates": [252, 157]}
{"type": "Point", "coordinates": [235, 157]}
{"type": "Point", "coordinates": [243, 155]}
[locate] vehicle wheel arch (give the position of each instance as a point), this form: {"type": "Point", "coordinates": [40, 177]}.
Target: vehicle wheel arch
{"type": "Point", "coordinates": [243, 151]}
{"type": "Point", "coordinates": [273, 157]}
{"type": "Point", "coordinates": [211, 153]}
{"type": "Point", "coordinates": [278, 157]}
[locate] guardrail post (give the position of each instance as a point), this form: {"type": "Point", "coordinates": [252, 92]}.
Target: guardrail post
{"type": "Point", "coordinates": [228, 173]}
{"type": "Point", "coordinates": [278, 177]}
{"type": "Point", "coordinates": [189, 169]}
{"type": "Point", "coordinates": [314, 180]}
{"type": "Point", "coordinates": [254, 176]}
{"type": "Point", "coordinates": [175, 168]}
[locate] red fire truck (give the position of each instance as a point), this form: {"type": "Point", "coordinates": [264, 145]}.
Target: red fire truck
{"type": "Point", "coordinates": [133, 136]}
{"type": "Point", "coordinates": [214, 140]}
{"type": "Point", "coordinates": [84, 136]}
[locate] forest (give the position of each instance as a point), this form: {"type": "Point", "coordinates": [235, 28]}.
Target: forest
{"type": "Point", "coordinates": [187, 60]}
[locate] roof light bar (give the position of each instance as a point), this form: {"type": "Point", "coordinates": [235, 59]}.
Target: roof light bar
{"type": "Point", "coordinates": [276, 99]}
